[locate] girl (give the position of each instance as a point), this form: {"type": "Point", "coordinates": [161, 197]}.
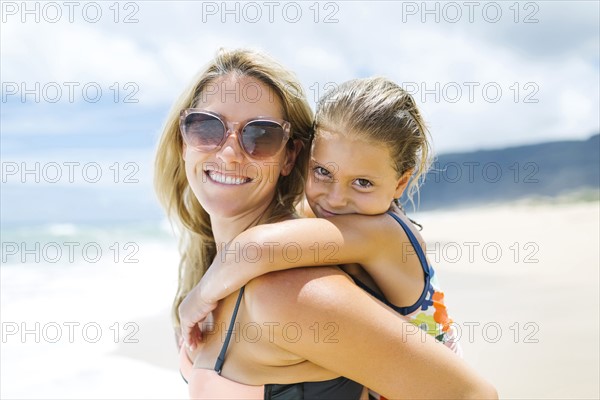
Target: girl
{"type": "Point", "coordinates": [369, 141]}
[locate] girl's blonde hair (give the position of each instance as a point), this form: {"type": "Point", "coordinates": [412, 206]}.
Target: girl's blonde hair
{"type": "Point", "coordinates": [380, 112]}
{"type": "Point", "coordinates": [197, 243]}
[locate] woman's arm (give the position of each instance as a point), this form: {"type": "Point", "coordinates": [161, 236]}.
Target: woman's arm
{"type": "Point", "coordinates": [289, 244]}
{"type": "Point", "coordinates": [358, 337]}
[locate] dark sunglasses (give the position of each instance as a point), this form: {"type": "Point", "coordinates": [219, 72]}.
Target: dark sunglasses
{"type": "Point", "coordinates": [259, 137]}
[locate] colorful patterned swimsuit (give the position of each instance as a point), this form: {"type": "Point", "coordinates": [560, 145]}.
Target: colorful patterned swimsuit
{"type": "Point", "coordinates": [429, 312]}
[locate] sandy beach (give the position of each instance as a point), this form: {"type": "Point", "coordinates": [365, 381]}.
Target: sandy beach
{"type": "Point", "coordinates": [521, 283]}
{"type": "Point", "coordinates": [534, 308]}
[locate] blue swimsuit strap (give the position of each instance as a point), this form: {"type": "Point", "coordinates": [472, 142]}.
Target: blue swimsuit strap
{"type": "Point", "coordinates": [424, 264]}
{"type": "Point", "coordinates": [415, 243]}
{"type": "Point", "coordinates": [221, 358]}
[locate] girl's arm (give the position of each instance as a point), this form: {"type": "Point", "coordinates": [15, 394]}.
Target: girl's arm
{"type": "Point", "coordinates": [272, 247]}
{"type": "Point", "coordinates": [341, 328]}
{"type": "Point", "coordinates": [295, 243]}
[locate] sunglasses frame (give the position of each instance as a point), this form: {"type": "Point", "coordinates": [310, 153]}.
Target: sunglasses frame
{"type": "Point", "coordinates": [230, 126]}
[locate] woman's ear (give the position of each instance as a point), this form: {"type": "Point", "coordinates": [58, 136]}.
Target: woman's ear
{"type": "Point", "coordinates": [290, 157]}
{"type": "Point", "coordinates": [402, 183]}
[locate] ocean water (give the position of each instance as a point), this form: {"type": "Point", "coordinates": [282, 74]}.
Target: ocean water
{"type": "Point", "coordinates": [102, 186]}
{"type": "Point", "coordinates": [84, 311]}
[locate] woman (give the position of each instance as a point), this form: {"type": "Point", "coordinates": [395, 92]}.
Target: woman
{"type": "Point", "coordinates": [312, 326]}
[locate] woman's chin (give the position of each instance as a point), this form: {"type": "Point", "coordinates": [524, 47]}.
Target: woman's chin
{"type": "Point", "coordinates": [217, 208]}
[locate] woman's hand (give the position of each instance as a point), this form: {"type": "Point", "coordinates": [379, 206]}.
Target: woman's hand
{"type": "Point", "coordinates": [192, 311]}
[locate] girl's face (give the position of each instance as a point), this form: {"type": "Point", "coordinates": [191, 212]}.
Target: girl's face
{"type": "Point", "coordinates": [227, 182]}
{"type": "Point", "coordinates": [351, 176]}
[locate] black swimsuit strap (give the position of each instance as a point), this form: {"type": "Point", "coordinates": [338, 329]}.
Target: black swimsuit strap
{"type": "Point", "coordinates": [338, 388]}
{"type": "Point", "coordinates": [221, 358]}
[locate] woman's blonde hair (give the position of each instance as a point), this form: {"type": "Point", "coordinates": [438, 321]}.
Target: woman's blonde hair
{"type": "Point", "coordinates": [379, 111]}
{"type": "Point", "coordinates": [197, 243]}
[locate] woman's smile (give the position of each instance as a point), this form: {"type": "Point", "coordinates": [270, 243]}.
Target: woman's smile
{"type": "Point", "coordinates": [227, 179]}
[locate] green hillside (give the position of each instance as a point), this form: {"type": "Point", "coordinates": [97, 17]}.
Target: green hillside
{"type": "Point", "coordinates": [546, 169]}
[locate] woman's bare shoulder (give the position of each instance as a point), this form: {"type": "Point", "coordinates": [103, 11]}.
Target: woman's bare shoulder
{"type": "Point", "coordinates": [297, 304]}
{"type": "Point", "coordinates": [289, 293]}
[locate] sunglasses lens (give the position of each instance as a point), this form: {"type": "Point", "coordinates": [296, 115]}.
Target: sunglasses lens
{"type": "Point", "coordinates": [202, 131]}
{"type": "Point", "coordinates": [262, 138]}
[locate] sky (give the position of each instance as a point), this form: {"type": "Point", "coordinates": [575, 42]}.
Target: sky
{"type": "Point", "coordinates": [92, 82]}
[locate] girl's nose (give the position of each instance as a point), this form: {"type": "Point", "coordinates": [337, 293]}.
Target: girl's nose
{"type": "Point", "coordinates": [336, 197]}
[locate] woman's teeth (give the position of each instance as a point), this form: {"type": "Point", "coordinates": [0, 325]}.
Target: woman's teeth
{"type": "Point", "coordinates": [227, 180]}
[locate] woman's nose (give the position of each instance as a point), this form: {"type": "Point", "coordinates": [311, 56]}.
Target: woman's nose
{"type": "Point", "coordinates": [231, 151]}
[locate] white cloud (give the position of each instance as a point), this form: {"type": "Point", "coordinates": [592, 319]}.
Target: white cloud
{"type": "Point", "coordinates": [172, 42]}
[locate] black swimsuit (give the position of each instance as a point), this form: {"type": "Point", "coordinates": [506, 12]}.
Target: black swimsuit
{"type": "Point", "coordinates": [339, 388]}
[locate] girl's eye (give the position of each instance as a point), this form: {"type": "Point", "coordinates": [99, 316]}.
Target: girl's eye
{"type": "Point", "coordinates": [364, 183]}
{"type": "Point", "coordinates": [321, 171]}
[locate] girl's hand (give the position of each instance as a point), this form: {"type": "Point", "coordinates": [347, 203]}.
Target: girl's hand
{"type": "Point", "coordinates": [192, 311]}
